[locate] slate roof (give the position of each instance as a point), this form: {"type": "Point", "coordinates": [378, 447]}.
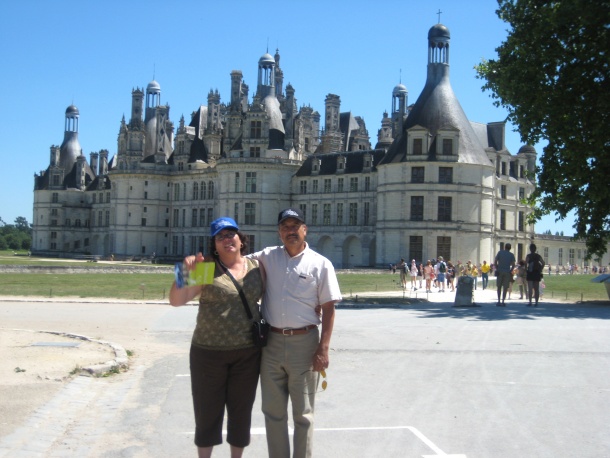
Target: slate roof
{"type": "Point", "coordinates": [354, 162]}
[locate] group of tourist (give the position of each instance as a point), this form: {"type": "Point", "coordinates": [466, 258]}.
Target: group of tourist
{"type": "Point", "coordinates": [440, 274]}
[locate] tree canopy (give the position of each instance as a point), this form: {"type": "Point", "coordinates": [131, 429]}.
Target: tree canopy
{"type": "Point", "coordinates": [17, 236]}
{"type": "Point", "coordinates": [552, 74]}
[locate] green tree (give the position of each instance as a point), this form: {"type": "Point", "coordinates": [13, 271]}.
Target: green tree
{"type": "Point", "coordinates": [552, 74]}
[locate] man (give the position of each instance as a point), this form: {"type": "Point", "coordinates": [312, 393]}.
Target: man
{"type": "Point", "coordinates": [505, 263]}
{"type": "Point", "coordinates": [442, 269]}
{"type": "Point", "coordinates": [485, 274]}
{"type": "Point", "coordinates": [299, 280]}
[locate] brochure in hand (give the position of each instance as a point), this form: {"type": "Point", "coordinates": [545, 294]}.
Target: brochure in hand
{"type": "Point", "coordinates": [202, 274]}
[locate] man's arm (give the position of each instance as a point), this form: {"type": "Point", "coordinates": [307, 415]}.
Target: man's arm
{"type": "Point", "coordinates": [320, 357]}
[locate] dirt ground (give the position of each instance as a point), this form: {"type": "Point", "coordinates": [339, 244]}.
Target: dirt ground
{"type": "Point", "coordinates": [34, 365]}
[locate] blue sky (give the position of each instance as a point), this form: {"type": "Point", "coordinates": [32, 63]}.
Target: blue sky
{"type": "Point", "coordinates": [92, 54]}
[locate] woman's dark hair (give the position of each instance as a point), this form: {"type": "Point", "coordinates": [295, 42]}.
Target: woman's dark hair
{"type": "Point", "coordinates": [533, 247]}
{"type": "Point", "coordinates": [243, 250]}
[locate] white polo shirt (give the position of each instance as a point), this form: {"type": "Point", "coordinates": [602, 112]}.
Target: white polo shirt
{"type": "Point", "coordinates": [295, 286]}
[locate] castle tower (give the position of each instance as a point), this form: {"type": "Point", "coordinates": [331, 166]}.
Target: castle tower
{"type": "Point", "coordinates": [399, 108]}
{"type": "Point", "coordinates": [70, 149]}
{"type": "Point", "coordinates": [266, 76]}
{"type": "Point", "coordinates": [331, 139]}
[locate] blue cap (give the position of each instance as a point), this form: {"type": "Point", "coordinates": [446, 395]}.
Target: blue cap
{"type": "Point", "coordinates": [222, 223]}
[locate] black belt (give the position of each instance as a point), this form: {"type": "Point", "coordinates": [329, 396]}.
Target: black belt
{"type": "Point", "coordinates": [293, 332]}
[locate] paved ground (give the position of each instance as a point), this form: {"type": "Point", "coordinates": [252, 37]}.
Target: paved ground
{"type": "Point", "coordinates": [416, 377]}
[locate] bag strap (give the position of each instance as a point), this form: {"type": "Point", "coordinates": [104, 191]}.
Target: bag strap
{"type": "Point", "coordinates": [239, 290]}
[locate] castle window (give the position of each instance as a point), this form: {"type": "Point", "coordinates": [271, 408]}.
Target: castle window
{"type": "Point", "coordinates": [503, 220]}
{"type": "Point", "coordinates": [326, 215]}
{"type": "Point", "coordinates": [417, 208]}
{"type": "Point", "coordinates": [367, 183]}
{"type": "Point", "coordinates": [418, 146]}
{"type": "Point", "coordinates": [250, 213]}
{"type": "Point", "coordinates": [447, 146]}
{"type": "Point", "coordinates": [255, 151]}
{"type": "Point", "coordinates": [251, 182]}
{"type": "Point", "coordinates": [339, 214]}
{"type": "Point", "coordinates": [315, 186]}
{"type": "Point", "coordinates": [444, 208]}
{"type": "Point", "coordinates": [327, 185]}
{"type": "Point", "coordinates": [236, 181]}
{"type": "Point", "coordinates": [417, 174]}
{"type": "Point", "coordinates": [211, 190]}
{"type": "Point", "coordinates": [202, 217]}
{"type": "Point", "coordinates": [255, 129]}
{"type": "Point", "coordinates": [445, 175]}
{"type": "Point", "coordinates": [94, 198]}
{"type": "Point", "coordinates": [143, 221]}
{"type": "Point", "coordinates": [340, 185]}
{"type": "Point", "coordinates": [366, 217]}
{"type": "Point", "coordinates": [353, 184]}
{"type": "Point", "coordinates": [521, 226]}
{"type": "Point", "coordinates": [303, 184]}
{"type": "Point", "coordinates": [416, 247]}
{"type": "Point", "coordinates": [521, 193]}
{"type": "Point", "coordinates": [195, 191]}
{"type": "Point", "coordinates": [503, 191]}
{"type": "Point", "coordinates": [55, 197]}
{"type": "Point", "coordinates": [314, 214]}
{"type": "Point", "coordinates": [353, 213]}
{"type": "Point", "coordinates": [194, 218]}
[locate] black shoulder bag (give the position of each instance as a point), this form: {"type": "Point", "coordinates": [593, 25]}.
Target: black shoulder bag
{"type": "Point", "coordinates": [260, 328]}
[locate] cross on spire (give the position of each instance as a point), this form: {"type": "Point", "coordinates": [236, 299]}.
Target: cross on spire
{"type": "Point", "coordinates": [439, 15]}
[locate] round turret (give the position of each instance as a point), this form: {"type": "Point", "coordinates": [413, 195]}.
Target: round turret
{"type": "Point", "coordinates": [438, 31]}
{"type": "Point", "coordinates": [153, 87]}
{"type": "Point", "coordinates": [72, 111]}
{"type": "Point", "coordinates": [399, 89]}
{"type": "Point", "coordinates": [527, 149]}
{"type": "Point", "coordinates": [266, 60]}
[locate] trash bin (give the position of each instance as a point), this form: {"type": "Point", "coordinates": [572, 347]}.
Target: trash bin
{"type": "Point", "coordinates": [463, 292]}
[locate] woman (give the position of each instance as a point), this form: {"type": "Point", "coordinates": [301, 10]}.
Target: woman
{"type": "Point", "coordinates": [224, 361]}
{"type": "Point", "coordinates": [534, 265]}
{"type": "Point", "coordinates": [420, 274]}
{"type": "Point", "coordinates": [402, 268]}
{"type": "Point", "coordinates": [450, 275]}
{"type": "Point", "coordinates": [413, 274]}
{"type": "Point", "coordinates": [428, 276]}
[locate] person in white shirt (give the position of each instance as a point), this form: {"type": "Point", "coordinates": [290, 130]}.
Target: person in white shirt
{"type": "Point", "coordinates": [300, 295]}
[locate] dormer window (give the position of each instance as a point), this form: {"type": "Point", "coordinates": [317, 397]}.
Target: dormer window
{"type": "Point", "coordinates": [315, 166]}
{"type": "Point", "coordinates": [341, 164]}
{"type": "Point", "coordinates": [418, 146]}
{"type": "Point", "coordinates": [447, 146]}
{"type": "Point", "coordinates": [447, 141]}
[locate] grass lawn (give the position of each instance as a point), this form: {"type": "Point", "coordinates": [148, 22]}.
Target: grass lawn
{"type": "Point", "coordinates": [155, 286]}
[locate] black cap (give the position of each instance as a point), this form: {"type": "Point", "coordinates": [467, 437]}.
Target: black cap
{"type": "Point", "coordinates": [290, 213]}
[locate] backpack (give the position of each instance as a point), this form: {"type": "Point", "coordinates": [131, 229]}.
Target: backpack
{"type": "Point", "coordinates": [536, 264]}
{"type": "Point", "coordinates": [442, 268]}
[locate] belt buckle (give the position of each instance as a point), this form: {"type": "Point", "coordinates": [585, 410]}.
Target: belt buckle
{"type": "Point", "coordinates": [287, 332]}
